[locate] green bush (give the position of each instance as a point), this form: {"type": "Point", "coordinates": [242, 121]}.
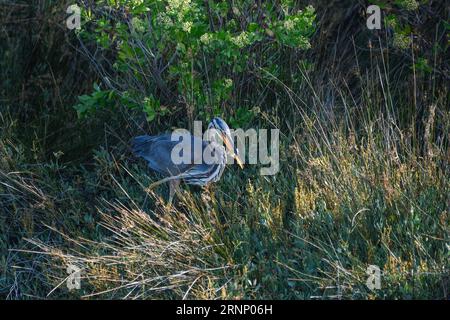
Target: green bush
{"type": "Point", "coordinates": [191, 53]}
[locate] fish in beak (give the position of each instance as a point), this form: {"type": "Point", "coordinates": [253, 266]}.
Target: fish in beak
{"type": "Point", "coordinates": [230, 149]}
{"type": "Point", "coordinates": [238, 160]}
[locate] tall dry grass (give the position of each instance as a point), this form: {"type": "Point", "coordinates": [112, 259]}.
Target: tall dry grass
{"type": "Point", "coordinates": [353, 191]}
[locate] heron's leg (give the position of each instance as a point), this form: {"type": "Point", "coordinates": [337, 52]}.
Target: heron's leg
{"type": "Point", "coordinates": [157, 183]}
{"type": "Point", "coordinates": [176, 184]}
{"type": "Point", "coordinates": [174, 187]}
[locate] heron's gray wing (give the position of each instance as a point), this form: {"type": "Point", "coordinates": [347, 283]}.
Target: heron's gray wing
{"type": "Point", "coordinates": [157, 150]}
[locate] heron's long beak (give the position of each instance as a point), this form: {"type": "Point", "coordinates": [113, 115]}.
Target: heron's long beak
{"type": "Point", "coordinates": [230, 148]}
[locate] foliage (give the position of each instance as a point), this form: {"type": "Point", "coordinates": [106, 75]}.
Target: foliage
{"type": "Point", "coordinates": [364, 130]}
{"type": "Point", "coordinates": [198, 51]}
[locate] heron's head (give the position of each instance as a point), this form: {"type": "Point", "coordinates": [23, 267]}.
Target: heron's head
{"type": "Point", "coordinates": [225, 135]}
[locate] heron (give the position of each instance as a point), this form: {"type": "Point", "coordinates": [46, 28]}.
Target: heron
{"type": "Point", "coordinates": [157, 151]}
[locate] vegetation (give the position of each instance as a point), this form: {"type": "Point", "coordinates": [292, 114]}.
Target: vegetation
{"type": "Point", "coordinates": [364, 123]}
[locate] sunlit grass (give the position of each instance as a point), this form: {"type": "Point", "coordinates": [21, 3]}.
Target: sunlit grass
{"type": "Point", "coordinates": [344, 199]}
